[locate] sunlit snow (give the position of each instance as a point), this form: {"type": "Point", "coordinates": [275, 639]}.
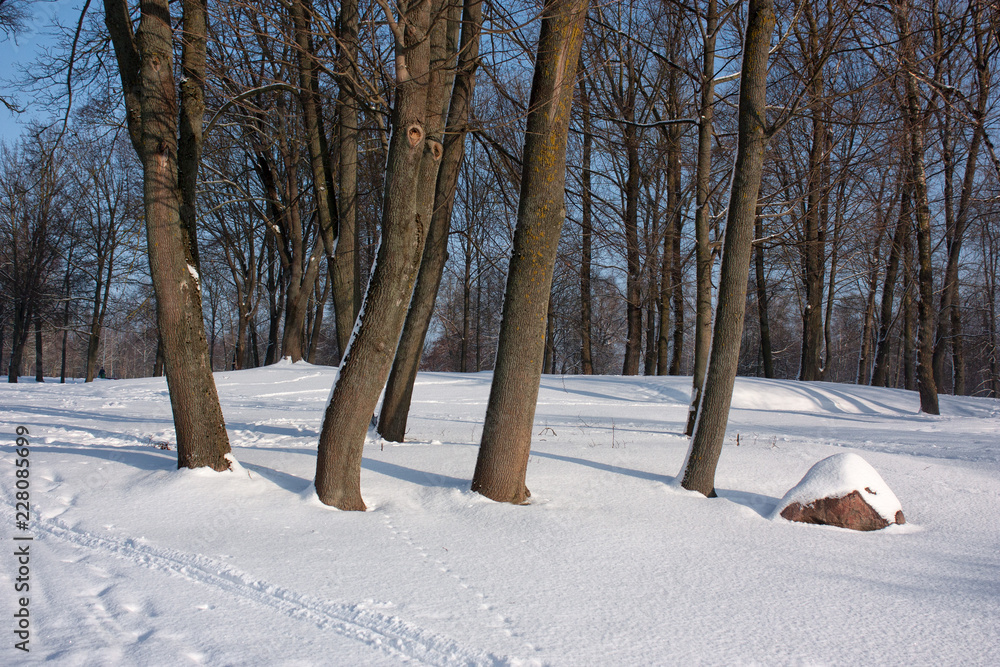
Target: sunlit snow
{"type": "Point", "coordinates": [136, 563]}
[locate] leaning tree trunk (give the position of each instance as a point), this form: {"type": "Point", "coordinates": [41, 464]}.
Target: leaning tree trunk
{"type": "Point", "coordinates": [713, 413]}
{"type": "Point", "coordinates": [925, 281]}
{"type": "Point", "coordinates": [170, 163]}
{"type": "Point", "coordinates": [702, 218]}
{"type": "Point", "coordinates": [369, 354]}
{"type": "Point", "coordinates": [506, 440]}
{"type": "Point", "coordinates": [399, 389]}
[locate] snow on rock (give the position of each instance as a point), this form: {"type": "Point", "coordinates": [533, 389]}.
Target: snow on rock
{"type": "Point", "coordinates": [842, 490]}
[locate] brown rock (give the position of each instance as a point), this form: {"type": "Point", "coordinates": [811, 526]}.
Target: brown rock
{"type": "Point", "coordinates": [850, 511]}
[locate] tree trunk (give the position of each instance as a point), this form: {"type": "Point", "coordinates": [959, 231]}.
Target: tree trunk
{"type": "Point", "coordinates": [702, 218]}
{"type": "Point", "coordinates": [39, 365]}
{"type": "Point", "coordinates": [880, 375]}
{"type": "Point", "coordinates": [677, 277]}
{"type": "Point", "coordinates": [300, 291]}
{"type": "Point", "coordinates": [762, 315]}
{"type": "Point", "coordinates": [909, 319]}
{"type": "Point", "coordinates": [813, 247]}
{"type": "Point", "coordinates": [102, 293]}
{"type": "Point", "coordinates": [170, 167]}
{"type": "Point", "coordinates": [586, 237]}
{"type": "Point", "coordinates": [19, 337]}
{"type": "Point", "coordinates": [832, 282]}
{"type": "Point", "coordinates": [506, 441]}
{"type": "Point", "coordinates": [925, 304]}
{"type": "Point", "coordinates": [868, 320]}
{"type": "Point", "coordinates": [369, 354]}
{"type": "Point", "coordinates": [664, 294]}
{"type": "Point", "coordinates": [463, 350]}
{"type": "Point", "coordinates": [950, 299]}
{"type": "Point", "coordinates": [65, 324]}
{"type": "Point", "coordinates": [346, 272]}
{"type": "Point", "coordinates": [316, 331]}
{"type": "Point", "coordinates": [676, 223]}
{"type": "Point", "coordinates": [713, 413]}
{"type": "Point", "coordinates": [990, 312]}
{"type": "Point", "coordinates": [399, 389]}
{"type": "Point", "coordinates": [633, 302]}
{"type": "Point", "coordinates": [652, 272]}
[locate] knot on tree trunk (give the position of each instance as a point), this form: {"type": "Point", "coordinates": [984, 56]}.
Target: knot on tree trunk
{"type": "Point", "coordinates": [414, 134]}
{"type": "Point", "coordinates": [436, 149]}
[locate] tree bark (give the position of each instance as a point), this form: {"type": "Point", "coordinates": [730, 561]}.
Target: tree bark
{"type": "Point", "coordinates": [170, 164]}
{"type": "Point", "coordinates": [713, 413]}
{"type": "Point", "coordinates": [813, 237]}
{"type": "Point", "coordinates": [369, 355]}
{"type": "Point", "coordinates": [39, 365]}
{"type": "Point", "coordinates": [762, 300]}
{"type": "Point", "coordinates": [65, 323]}
{"type": "Point", "coordinates": [950, 313]}
{"type": "Point", "coordinates": [925, 304]}
{"type": "Point", "coordinates": [586, 236]}
{"type": "Point", "coordinates": [399, 390]}
{"type": "Point", "coordinates": [702, 219]}
{"type": "Point", "coordinates": [346, 272]}
{"type": "Point", "coordinates": [301, 11]}
{"type": "Point", "coordinates": [633, 302]}
{"type": "Point", "coordinates": [506, 441]}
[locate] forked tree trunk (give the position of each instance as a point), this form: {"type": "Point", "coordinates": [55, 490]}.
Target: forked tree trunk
{"type": "Point", "coordinates": [170, 164]}
{"type": "Point", "coordinates": [702, 218]}
{"type": "Point", "coordinates": [399, 389]}
{"type": "Point", "coordinates": [925, 281]}
{"type": "Point", "coordinates": [713, 413]}
{"type": "Point", "coordinates": [369, 354]}
{"type": "Point", "coordinates": [506, 440]}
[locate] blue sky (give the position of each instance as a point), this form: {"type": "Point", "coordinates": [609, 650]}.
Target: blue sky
{"type": "Point", "coordinates": [23, 49]}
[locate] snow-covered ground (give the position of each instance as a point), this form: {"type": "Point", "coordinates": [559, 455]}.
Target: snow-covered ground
{"type": "Point", "coordinates": [135, 563]}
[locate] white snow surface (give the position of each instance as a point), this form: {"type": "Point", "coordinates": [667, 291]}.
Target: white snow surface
{"type": "Point", "coordinates": [136, 563]}
{"type": "Point", "coordinates": [839, 475]}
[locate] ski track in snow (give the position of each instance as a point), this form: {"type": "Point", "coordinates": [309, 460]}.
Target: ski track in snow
{"type": "Point", "coordinates": [390, 634]}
